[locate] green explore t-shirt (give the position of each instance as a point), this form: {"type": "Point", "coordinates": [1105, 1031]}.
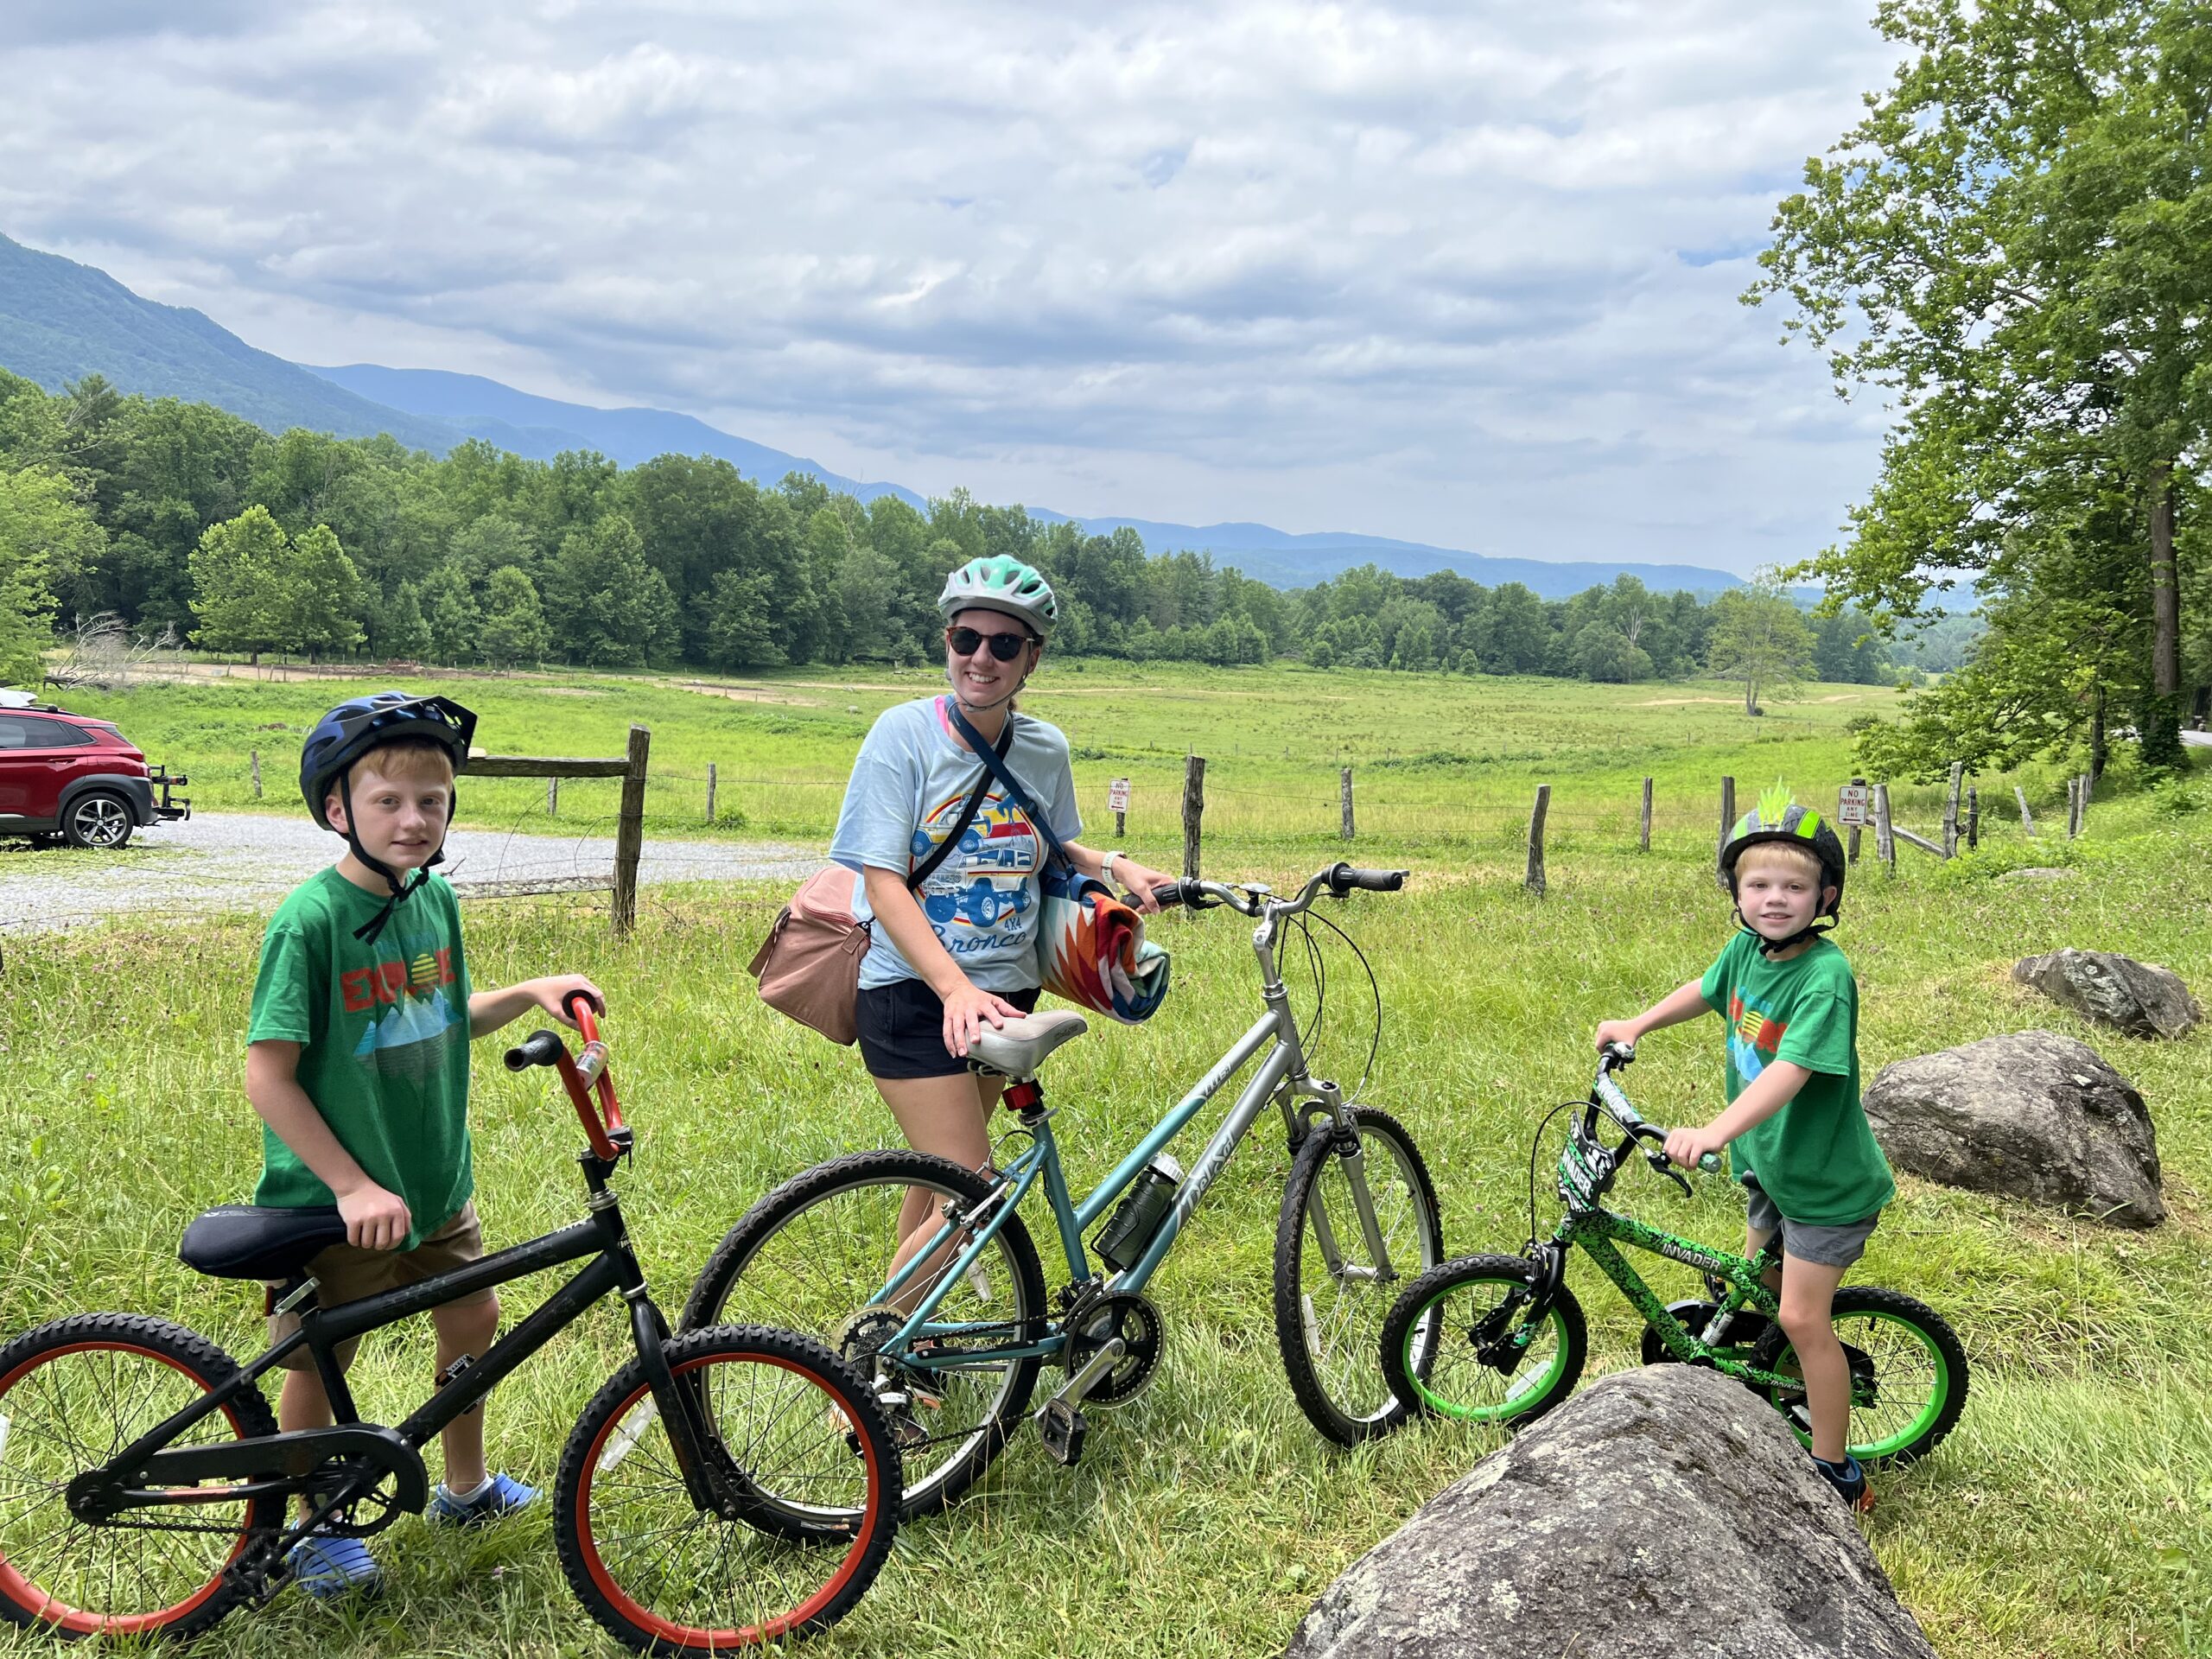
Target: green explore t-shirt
{"type": "Point", "coordinates": [383, 1035]}
{"type": "Point", "coordinates": [1816, 1158]}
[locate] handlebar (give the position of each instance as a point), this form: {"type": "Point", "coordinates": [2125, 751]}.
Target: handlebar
{"type": "Point", "coordinates": [1608, 1094]}
{"type": "Point", "coordinates": [1251, 900]}
{"type": "Point", "coordinates": [584, 1077]}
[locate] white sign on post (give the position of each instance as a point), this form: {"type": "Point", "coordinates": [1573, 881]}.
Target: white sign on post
{"type": "Point", "coordinates": [1854, 806]}
{"type": "Point", "coordinates": [1117, 795]}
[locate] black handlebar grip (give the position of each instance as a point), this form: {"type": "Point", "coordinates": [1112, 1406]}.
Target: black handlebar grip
{"type": "Point", "coordinates": [1345, 877]}
{"type": "Point", "coordinates": [539, 1048]}
{"type": "Point", "coordinates": [569, 1004]}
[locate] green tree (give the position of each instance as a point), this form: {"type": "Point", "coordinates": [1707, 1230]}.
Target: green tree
{"type": "Point", "coordinates": [455, 619]}
{"type": "Point", "coordinates": [321, 596]}
{"type": "Point", "coordinates": [1601, 651]}
{"type": "Point", "coordinates": [2016, 245]}
{"type": "Point", "coordinates": [42, 526]}
{"type": "Point", "coordinates": [606, 605]}
{"type": "Point", "coordinates": [401, 632]}
{"type": "Point", "coordinates": [514, 621]}
{"type": "Point", "coordinates": [1760, 638]}
{"type": "Point", "coordinates": [239, 576]}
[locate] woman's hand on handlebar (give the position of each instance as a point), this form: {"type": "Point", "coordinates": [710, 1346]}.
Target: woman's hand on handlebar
{"type": "Point", "coordinates": [1686, 1146]}
{"type": "Point", "coordinates": [1138, 880]}
{"type": "Point", "coordinates": [967, 1010]}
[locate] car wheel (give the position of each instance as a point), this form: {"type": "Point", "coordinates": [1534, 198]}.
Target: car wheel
{"type": "Point", "coordinates": [97, 819]}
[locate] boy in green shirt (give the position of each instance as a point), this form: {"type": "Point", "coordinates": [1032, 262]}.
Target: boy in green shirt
{"type": "Point", "coordinates": [357, 1060]}
{"type": "Point", "coordinates": [1795, 1131]}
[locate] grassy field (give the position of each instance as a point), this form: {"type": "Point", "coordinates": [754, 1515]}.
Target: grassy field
{"type": "Point", "coordinates": [1440, 764]}
{"type": "Point", "coordinates": [2067, 1516]}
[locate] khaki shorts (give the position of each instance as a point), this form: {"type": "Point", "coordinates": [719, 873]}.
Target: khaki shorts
{"type": "Point", "coordinates": [347, 1273]}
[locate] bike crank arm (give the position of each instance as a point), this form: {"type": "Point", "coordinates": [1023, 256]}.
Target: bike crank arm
{"type": "Point", "coordinates": [1061, 1424]}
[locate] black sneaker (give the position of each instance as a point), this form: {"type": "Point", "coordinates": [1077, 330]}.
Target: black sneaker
{"type": "Point", "coordinates": [1849, 1481]}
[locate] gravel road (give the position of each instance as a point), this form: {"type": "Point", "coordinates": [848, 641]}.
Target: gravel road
{"type": "Point", "coordinates": [242, 861]}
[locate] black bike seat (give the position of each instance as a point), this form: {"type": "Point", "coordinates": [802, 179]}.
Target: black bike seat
{"type": "Point", "coordinates": [244, 1241]}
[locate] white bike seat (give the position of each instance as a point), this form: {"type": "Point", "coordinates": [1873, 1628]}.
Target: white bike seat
{"type": "Point", "coordinates": [1017, 1048]}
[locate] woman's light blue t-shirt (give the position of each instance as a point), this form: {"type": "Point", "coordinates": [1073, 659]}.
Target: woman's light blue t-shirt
{"type": "Point", "coordinates": [911, 779]}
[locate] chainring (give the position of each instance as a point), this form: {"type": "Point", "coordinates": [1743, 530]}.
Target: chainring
{"type": "Point", "coordinates": [1135, 1320]}
{"type": "Point", "coordinates": [367, 1513]}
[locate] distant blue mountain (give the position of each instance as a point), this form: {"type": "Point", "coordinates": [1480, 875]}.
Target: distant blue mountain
{"type": "Point", "coordinates": [61, 321]}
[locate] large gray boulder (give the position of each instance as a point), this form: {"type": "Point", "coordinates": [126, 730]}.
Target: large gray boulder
{"type": "Point", "coordinates": [2140, 998]}
{"type": "Point", "coordinates": [2032, 1116]}
{"type": "Point", "coordinates": [1660, 1511]}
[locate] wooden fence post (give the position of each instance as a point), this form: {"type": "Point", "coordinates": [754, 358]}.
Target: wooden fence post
{"type": "Point", "coordinates": [2027, 818]}
{"type": "Point", "coordinates": [1951, 809]}
{"type": "Point", "coordinates": [1194, 807]}
{"type": "Point", "coordinates": [711, 791]}
{"type": "Point", "coordinates": [1727, 823]}
{"type": "Point", "coordinates": [1851, 854]}
{"type": "Point", "coordinates": [630, 833]}
{"type": "Point", "coordinates": [1886, 843]}
{"type": "Point", "coordinates": [1534, 879]}
{"type": "Point", "coordinates": [2088, 788]}
{"type": "Point", "coordinates": [1973, 818]}
{"type": "Point", "coordinates": [552, 798]}
{"type": "Point", "coordinates": [1644, 831]}
{"type": "Point", "coordinates": [1345, 786]}
{"type": "Point", "coordinates": [255, 756]}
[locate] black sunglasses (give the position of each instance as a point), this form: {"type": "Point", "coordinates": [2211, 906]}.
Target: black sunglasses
{"type": "Point", "coordinates": [1004, 646]}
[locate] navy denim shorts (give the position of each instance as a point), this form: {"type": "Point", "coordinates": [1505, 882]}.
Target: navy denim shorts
{"type": "Point", "coordinates": [902, 1029]}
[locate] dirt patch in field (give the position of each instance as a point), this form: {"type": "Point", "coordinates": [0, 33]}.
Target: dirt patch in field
{"type": "Point", "coordinates": [1737, 703]}
{"type": "Point", "coordinates": [748, 693]}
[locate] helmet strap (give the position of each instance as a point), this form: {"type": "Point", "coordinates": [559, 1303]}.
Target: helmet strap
{"type": "Point", "coordinates": [401, 889]}
{"type": "Point", "coordinates": [1814, 930]}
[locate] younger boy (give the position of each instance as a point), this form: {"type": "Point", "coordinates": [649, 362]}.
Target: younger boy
{"type": "Point", "coordinates": [1794, 1126]}
{"type": "Point", "coordinates": [356, 1059]}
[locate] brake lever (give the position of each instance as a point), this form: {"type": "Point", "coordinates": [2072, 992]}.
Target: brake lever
{"type": "Point", "coordinates": [1665, 1166]}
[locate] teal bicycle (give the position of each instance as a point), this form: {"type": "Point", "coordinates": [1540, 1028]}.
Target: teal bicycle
{"type": "Point", "coordinates": [1500, 1339]}
{"type": "Point", "coordinates": [953, 1325]}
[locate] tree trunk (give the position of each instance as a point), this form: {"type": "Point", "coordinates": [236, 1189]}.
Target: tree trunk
{"type": "Point", "coordinates": [2165, 589]}
{"type": "Point", "coordinates": [2097, 729]}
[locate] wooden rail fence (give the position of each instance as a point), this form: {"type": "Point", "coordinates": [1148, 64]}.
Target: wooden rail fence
{"type": "Point", "coordinates": [629, 823]}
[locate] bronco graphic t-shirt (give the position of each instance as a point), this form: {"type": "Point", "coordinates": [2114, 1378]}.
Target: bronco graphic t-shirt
{"type": "Point", "coordinates": [911, 779]}
{"type": "Point", "coordinates": [384, 1035]}
{"type": "Point", "coordinates": [1816, 1158]}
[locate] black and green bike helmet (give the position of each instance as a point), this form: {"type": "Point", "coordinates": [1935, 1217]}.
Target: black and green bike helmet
{"type": "Point", "coordinates": [1780, 817]}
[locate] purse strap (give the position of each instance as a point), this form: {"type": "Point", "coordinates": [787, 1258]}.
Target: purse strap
{"type": "Point", "coordinates": [994, 759]}
{"type": "Point", "coordinates": [943, 849]}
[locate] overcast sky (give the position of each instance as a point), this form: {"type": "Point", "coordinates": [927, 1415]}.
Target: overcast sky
{"type": "Point", "coordinates": [1463, 273]}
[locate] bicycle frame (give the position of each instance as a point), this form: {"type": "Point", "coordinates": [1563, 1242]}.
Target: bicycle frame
{"type": "Point", "coordinates": [151, 1473]}
{"type": "Point", "coordinates": [1282, 1077]}
{"type": "Point", "coordinates": [1600, 1232]}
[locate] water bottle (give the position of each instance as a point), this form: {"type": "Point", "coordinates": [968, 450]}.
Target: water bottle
{"type": "Point", "coordinates": [1122, 1242]}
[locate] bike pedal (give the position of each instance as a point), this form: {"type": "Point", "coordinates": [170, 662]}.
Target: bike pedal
{"type": "Point", "coordinates": [1062, 1428]}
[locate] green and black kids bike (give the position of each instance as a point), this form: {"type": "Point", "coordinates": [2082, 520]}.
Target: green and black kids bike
{"type": "Point", "coordinates": [1500, 1338]}
{"type": "Point", "coordinates": [145, 1490]}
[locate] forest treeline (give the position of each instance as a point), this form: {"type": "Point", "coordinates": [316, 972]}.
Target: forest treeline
{"type": "Point", "coordinates": [177, 515]}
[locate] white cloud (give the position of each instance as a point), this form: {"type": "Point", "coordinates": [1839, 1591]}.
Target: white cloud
{"type": "Point", "coordinates": [1460, 274]}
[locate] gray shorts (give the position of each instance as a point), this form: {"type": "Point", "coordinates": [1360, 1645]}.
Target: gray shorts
{"type": "Point", "coordinates": [1832, 1247]}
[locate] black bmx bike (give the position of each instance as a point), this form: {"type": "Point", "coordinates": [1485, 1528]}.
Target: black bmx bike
{"type": "Point", "coordinates": [146, 1490]}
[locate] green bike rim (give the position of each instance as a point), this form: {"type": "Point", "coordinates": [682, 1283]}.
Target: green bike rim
{"type": "Point", "coordinates": [1885, 1336]}
{"type": "Point", "coordinates": [1525, 1388]}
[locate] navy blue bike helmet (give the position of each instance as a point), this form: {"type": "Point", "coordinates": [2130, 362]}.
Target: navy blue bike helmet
{"type": "Point", "coordinates": [350, 731]}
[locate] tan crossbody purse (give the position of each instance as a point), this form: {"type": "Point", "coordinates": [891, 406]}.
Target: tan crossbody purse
{"type": "Point", "coordinates": [809, 964]}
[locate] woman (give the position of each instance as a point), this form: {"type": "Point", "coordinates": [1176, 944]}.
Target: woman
{"type": "Point", "coordinates": [961, 952]}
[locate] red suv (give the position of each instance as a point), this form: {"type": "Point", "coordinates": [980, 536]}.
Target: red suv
{"type": "Point", "coordinates": [68, 775]}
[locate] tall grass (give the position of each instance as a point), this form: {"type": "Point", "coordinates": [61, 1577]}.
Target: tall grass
{"type": "Point", "coordinates": [2067, 1516]}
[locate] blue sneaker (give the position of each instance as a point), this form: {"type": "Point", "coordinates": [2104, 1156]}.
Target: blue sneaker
{"type": "Point", "coordinates": [327, 1566]}
{"type": "Point", "coordinates": [503, 1497]}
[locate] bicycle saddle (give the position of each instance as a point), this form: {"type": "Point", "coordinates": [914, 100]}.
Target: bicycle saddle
{"type": "Point", "coordinates": [244, 1240]}
{"type": "Point", "coordinates": [1019, 1047]}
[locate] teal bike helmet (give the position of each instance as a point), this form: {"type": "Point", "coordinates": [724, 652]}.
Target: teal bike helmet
{"type": "Point", "coordinates": [1779, 817]}
{"type": "Point", "coordinates": [1003, 583]}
